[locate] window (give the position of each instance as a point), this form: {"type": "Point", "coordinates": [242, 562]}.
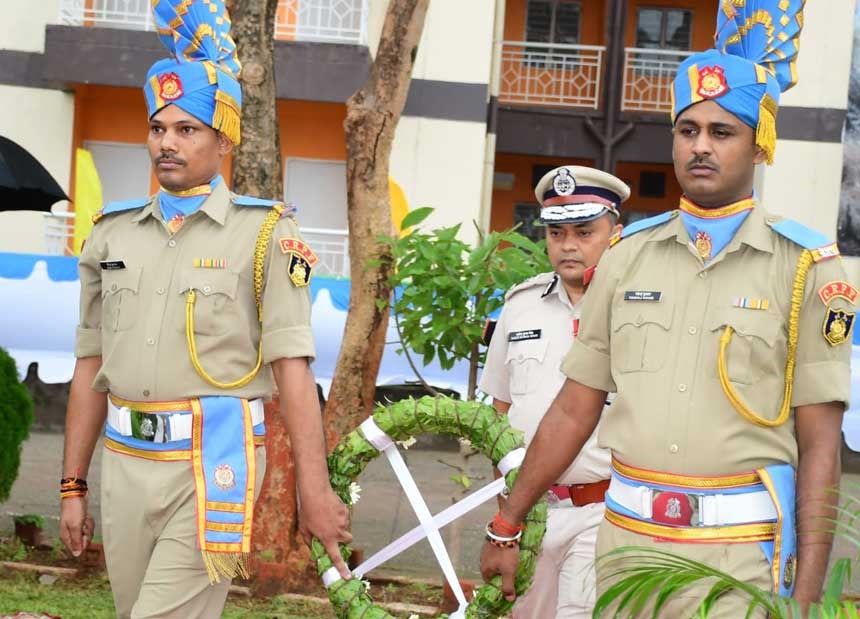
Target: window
{"type": "Point", "coordinates": [529, 216]}
{"type": "Point", "coordinates": [664, 28]}
{"type": "Point", "coordinates": [553, 21]}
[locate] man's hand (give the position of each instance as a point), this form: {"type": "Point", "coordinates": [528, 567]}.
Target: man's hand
{"type": "Point", "coordinates": [326, 518]}
{"type": "Point", "coordinates": [76, 525]}
{"type": "Point", "coordinates": [502, 561]}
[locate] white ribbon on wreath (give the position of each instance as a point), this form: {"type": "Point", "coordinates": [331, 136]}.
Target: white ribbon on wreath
{"type": "Point", "coordinates": [429, 525]}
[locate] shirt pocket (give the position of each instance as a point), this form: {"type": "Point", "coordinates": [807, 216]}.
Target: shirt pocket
{"type": "Point", "coordinates": [120, 288]}
{"type": "Point", "coordinates": [215, 307]}
{"type": "Point", "coordinates": [525, 362]}
{"type": "Point", "coordinates": [750, 355]}
{"type": "Point", "coordinates": [640, 336]}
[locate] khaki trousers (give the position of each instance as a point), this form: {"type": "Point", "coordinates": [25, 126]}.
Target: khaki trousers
{"type": "Point", "coordinates": [564, 579]}
{"type": "Point", "coordinates": [150, 537]}
{"type": "Point", "coordinates": [744, 561]}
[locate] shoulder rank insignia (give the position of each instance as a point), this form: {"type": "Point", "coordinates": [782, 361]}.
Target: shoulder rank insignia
{"type": "Point", "coordinates": [302, 260]}
{"type": "Point", "coordinates": [837, 326]}
{"type": "Point", "coordinates": [119, 207]}
{"type": "Point", "coordinates": [550, 286]}
{"type": "Point", "coordinates": [644, 224]}
{"type": "Point", "coordinates": [821, 247]}
{"type": "Point", "coordinates": [837, 289]}
{"type": "Point", "coordinates": [289, 209]}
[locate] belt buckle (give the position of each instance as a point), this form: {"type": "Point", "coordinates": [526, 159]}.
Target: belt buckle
{"type": "Point", "coordinates": [146, 426]}
{"type": "Point", "coordinates": [680, 509]}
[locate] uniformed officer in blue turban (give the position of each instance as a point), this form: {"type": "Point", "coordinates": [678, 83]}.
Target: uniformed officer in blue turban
{"type": "Point", "coordinates": [724, 330]}
{"type": "Point", "coordinates": [192, 301]}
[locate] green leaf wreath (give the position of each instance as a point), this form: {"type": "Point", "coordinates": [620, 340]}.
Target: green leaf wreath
{"type": "Point", "coordinates": [488, 432]}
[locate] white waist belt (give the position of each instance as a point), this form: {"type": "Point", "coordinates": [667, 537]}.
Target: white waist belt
{"type": "Point", "coordinates": [169, 426]}
{"type": "Point", "coordinates": [713, 509]}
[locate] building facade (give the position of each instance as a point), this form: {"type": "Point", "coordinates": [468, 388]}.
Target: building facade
{"type": "Point", "coordinates": [502, 90]}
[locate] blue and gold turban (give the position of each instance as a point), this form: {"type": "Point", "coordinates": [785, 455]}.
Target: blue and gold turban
{"type": "Point", "coordinates": [201, 76]}
{"type": "Point", "coordinates": [752, 62]}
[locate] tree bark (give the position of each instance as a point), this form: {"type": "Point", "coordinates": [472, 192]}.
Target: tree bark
{"type": "Point", "coordinates": [280, 559]}
{"type": "Point", "coordinates": [371, 119]}
{"type": "Point", "coordinates": [257, 160]}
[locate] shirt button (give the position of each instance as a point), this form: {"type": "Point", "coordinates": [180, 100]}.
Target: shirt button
{"type": "Point", "coordinates": [673, 448]}
{"type": "Point", "coordinates": [146, 393]}
{"type": "Point", "coordinates": [682, 387]}
{"type": "Point", "coordinates": [692, 330]}
{"type": "Point", "coordinates": [150, 341]}
{"type": "Point", "coordinates": [113, 287]}
{"type": "Point", "coordinates": [207, 289]}
{"type": "Point", "coordinates": [703, 274]}
{"type": "Point", "coordinates": [160, 291]}
{"type": "Point", "coordinates": [172, 243]}
{"type": "Point", "coordinates": [639, 321]}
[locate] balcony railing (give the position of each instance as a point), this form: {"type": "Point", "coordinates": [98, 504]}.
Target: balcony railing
{"type": "Point", "coordinates": [329, 21]}
{"type": "Point", "coordinates": [332, 249]}
{"type": "Point", "coordinates": [59, 230]}
{"type": "Point", "coordinates": [550, 74]}
{"type": "Point", "coordinates": [648, 75]}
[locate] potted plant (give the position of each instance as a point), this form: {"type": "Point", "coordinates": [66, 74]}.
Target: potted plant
{"type": "Point", "coordinates": [28, 528]}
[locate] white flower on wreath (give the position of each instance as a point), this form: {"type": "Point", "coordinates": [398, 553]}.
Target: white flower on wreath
{"type": "Point", "coordinates": [413, 616]}
{"type": "Point", "coordinates": [465, 442]}
{"type": "Point", "coordinates": [366, 584]}
{"type": "Point", "coordinates": [407, 443]}
{"type": "Point", "coordinates": [354, 493]}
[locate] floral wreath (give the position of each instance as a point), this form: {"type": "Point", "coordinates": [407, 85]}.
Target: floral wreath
{"type": "Point", "coordinates": [477, 423]}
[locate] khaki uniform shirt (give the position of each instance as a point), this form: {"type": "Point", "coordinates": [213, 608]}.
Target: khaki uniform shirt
{"type": "Point", "coordinates": [134, 279]}
{"type": "Point", "coordinates": [533, 333]}
{"type": "Point", "coordinates": [660, 355]}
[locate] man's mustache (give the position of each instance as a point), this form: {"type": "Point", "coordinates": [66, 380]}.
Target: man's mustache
{"type": "Point", "coordinates": [170, 159]}
{"type": "Point", "coordinates": [702, 162]}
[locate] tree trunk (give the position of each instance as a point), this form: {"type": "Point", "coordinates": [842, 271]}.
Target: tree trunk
{"type": "Point", "coordinates": [281, 561]}
{"type": "Point", "coordinates": [371, 118]}
{"type": "Point", "coordinates": [257, 160]}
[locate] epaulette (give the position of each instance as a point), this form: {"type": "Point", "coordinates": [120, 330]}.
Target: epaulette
{"type": "Point", "coordinates": [818, 244]}
{"type": "Point", "coordinates": [642, 224]}
{"type": "Point", "coordinates": [289, 209]}
{"type": "Point", "coordinates": [119, 207]}
{"type": "Point", "coordinates": [537, 280]}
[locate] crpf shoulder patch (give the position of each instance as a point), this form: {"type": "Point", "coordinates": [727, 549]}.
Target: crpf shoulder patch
{"type": "Point", "coordinates": [837, 326]}
{"type": "Point", "coordinates": [301, 260]}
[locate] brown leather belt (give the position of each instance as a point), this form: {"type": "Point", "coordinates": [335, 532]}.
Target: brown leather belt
{"type": "Point", "coordinates": [579, 494]}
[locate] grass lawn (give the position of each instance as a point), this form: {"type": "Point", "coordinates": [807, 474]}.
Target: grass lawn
{"type": "Point", "coordinates": [90, 598]}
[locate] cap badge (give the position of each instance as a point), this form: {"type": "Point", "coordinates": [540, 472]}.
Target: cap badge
{"type": "Point", "coordinates": [563, 183]}
{"type": "Point", "coordinates": [712, 82]}
{"type": "Point", "coordinates": [171, 86]}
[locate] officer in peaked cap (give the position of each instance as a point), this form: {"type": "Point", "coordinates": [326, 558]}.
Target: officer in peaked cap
{"type": "Point", "coordinates": [540, 319]}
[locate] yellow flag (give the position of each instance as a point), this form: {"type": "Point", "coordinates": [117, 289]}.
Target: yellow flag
{"type": "Point", "coordinates": [399, 206]}
{"type": "Point", "coordinates": [88, 196]}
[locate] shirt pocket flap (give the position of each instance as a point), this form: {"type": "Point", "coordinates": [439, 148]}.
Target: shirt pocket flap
{"type": "Point", "coordinates": [114, 281]}
{"type": "Point", "coordinates": [527, 350]}
{"type": "Point", "coordinates": [210, 282]}
{"type": "Point", "coordinates": [759, 324]}
{"type": "Point", "coordinates": [639, 313]}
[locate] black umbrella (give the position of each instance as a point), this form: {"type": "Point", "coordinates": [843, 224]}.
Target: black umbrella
{"type": "Point", "coordinates": [25, 184]}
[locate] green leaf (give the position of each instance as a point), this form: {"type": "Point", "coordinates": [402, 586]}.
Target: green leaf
{"type": "Point", "coordinates": [413, 218]}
